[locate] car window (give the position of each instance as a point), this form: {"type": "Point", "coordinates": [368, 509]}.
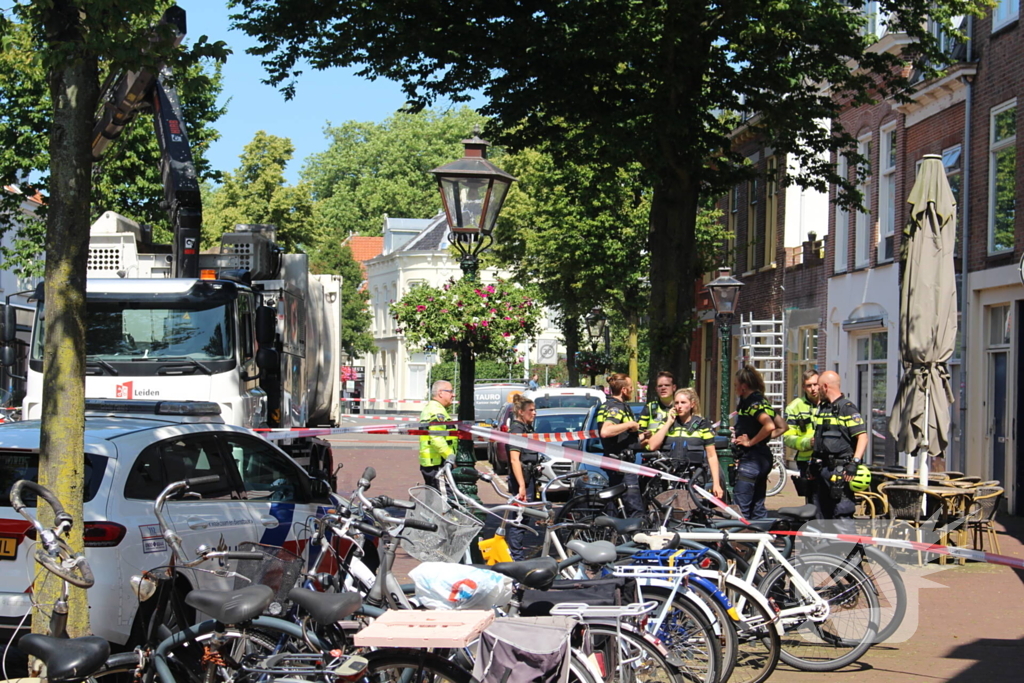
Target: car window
{"type": "Point", "coordinates": [545, 424]}
{"type": "Point", "coordinates": [566, 401]}
{"type": "Point", "coordinates": [185, 457]}
{"type": "Point", "coordinates": [15, 465]}
{"type": "Point", "coordinates": [266, 473]}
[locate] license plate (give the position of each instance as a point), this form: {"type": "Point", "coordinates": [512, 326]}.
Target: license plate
{"type": "Point", "coordinates": [8, 548]}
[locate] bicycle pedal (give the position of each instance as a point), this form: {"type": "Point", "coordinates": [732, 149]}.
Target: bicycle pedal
{"type": "Point", "coordinates": [351, 668]}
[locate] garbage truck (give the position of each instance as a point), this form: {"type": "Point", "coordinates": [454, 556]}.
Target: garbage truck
{"type": "Point", "coordinates": [245, 325]}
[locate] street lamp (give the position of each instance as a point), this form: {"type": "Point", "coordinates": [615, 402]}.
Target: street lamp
{"type": "Point", "coordinates": [725, 293]}
{"type": "Point", "coordinates": [472, 191]}
{"type": "Point", "coordinates": [597, 328]}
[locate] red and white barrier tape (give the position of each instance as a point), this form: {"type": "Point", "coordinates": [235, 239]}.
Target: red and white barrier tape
{"type": "Point", "coordinates": [950, 551]}
{"type": "Point", "coordinates": [390, 418]}
{"type": "Point", "coordinates": [563, 436]}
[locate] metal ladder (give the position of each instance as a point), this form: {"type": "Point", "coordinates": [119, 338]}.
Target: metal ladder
{"type": "Point", "coordinates": [762, 344]}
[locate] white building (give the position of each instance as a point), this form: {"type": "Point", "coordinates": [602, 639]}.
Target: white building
{"type": "Point", "coordinates": [416, 253]}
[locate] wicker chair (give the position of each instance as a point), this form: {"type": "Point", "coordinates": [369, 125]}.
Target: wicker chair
{"type": "Point", "coordinates": [953, 474]}
{"type": "Point", "coordinates": [970, 478]}
{"type": "Point", "coordinates": [982, 515]}
{"type": "Point", "coordinates": [904, 505]}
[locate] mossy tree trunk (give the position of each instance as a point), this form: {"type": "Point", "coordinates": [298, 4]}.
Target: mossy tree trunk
{"type": "Point", "coordinates": [74, 88]}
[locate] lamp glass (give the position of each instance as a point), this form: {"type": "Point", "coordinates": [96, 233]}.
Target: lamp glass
{"type": "Point", "coordinates": [725, 292]}
{"type": "Point", "coordinates": [464, 200]}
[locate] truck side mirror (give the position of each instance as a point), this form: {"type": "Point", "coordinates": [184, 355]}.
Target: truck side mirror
{"type": "Point", "coordinates": [8, 356]}
{"type": "Point", "coordinates": [266, 327]}
{"type": "Point", "coordinates": [266, 359]}
{"type": "Point", "coordinates": [10, 324]}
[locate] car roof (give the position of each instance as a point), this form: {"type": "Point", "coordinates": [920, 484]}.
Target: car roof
{"type": "Point", "coordinates": [541, 412]}
{"type": "Point", "coordinates": [564, 391]}
{"type": "Point", "coordinates": [100, 432]}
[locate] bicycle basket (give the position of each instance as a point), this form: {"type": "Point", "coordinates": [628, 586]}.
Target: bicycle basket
{"type": "Point", "coordinates": [455, 529]}
{"type": "Point", "coordinates": [278, 569]}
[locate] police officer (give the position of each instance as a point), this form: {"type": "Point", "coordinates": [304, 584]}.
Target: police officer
{"type": "Point", "coordinates": [434, 450]}
{"type": "Point", "coordinates": [800, 432]}
{"type": "Point", "coordinates": [840, 440]}
{"type": "Point", "coordinates": [687, 435]}
{"type": "Point", "coordinates": [655, 413]}
{"type": "Point", "coordinates": [756, 423]}
{"type": "Point", "coordinates": [522, 462]}
{"type": "Point", "coordinates": [619, 434]}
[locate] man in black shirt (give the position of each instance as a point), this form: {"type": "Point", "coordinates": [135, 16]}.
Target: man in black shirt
{"type": "Point", "coordinates": [840, 440]}
{"type": "Point", "coordinates": [619, 436]}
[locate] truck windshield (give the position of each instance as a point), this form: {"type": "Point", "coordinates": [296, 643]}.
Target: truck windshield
{"type": "Point", "coordinates": [140, 332]}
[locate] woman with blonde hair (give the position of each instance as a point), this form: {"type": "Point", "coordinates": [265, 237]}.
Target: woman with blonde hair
{"type": "Point", "coordinates": [756, 422]}
{"type": "Point", "coordinates": [688, 435]}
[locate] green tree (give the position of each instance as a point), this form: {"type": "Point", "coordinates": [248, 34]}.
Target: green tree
{"type": "Point", "coordinates": [630, 82]}
{"type": "Point", "coordinates": [356, 338]}
{"type": "Point", "coordinates": [256, 192]}
{"type": "Point", "coordinates": [373, 169]}
{"type": "Point", "coordinates": [72, 44]}
{"type": "Point", "coordinates": [126, 180]}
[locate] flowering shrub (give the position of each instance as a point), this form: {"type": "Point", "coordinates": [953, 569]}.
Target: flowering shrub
{"type": "Point", "coordinates": [490, 318]}
{"type": "Point", "coordinates": [593, 362]}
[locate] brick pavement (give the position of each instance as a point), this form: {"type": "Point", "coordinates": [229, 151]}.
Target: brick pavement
{"type": "Point", "coordinates": [970, 619]}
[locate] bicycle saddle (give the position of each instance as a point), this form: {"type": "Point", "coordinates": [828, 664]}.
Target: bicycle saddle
{"type": "Point", "coordinates": [597, 552]}
{"type": "Point", "coordinates": [326, 608]}
{"type": "Point", "coordinates": [232, 607]}
{"type": "Point", "coordinates": [539, 573]}
{"type": "Point", "coordinates": [621, 526]}
{"type": "Point", "coordinates": [67, 659]}
{"type": "Point", "coordinates": [804, 512]}
{"type": "Point", "coordinates": [612, 492]}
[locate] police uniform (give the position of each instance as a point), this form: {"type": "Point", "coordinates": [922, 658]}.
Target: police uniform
{"type": "Point", "coordinates": [614, 411]}
{"type": "Point", "coordinates": [800, 437]}
{"type": "Point", "coordinates": [434, 450]}
{"type": "Point", "coordinates": [528, 459]}
{"type": "Point", "coordinates": [689, 442]}
{"type": "Point", "coordinates": [653, 416]}
{"type": "Point", "coordinates": [837, 425]}
{"type": "Point", "coordinates": [754, 463]}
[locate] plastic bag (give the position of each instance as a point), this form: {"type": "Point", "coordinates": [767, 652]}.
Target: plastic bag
{"type": "Point", "coordinates": [448, 585]}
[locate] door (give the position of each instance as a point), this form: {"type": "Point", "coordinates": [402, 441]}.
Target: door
{"type": "Point", "coordinates": [214, 515]}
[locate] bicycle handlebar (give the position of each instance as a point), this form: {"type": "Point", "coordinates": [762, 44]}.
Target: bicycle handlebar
{"type": "Point", "coordinates": [54, 555]}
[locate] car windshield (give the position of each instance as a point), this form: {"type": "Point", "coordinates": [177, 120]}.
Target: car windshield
{"type": "Point", "coordinates": [546, 424]}
{"type": "Point", "coordinates": [15, 465]}
{"type": "Point", "coordinates": [119, 333]}
{"type": "Point", "coordinates": [566, 401]}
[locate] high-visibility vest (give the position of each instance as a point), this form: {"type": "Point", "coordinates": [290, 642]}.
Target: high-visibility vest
{"type": "Point", "coordinates": [435, 449]}
{"type": "Point", "coordinates": [800, 432]}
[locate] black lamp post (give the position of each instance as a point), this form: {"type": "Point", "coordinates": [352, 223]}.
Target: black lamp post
{"type": "Point", "coordinates": [597, 328]}
{"type": "Point", "coordinates": [472, 191]}
{"type": "Point", "coordinates": [725, 293]}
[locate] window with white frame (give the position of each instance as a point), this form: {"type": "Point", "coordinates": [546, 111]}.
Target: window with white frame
{"type": "Point", "coordinates": [801, 355]}
{"type": "Point", "coordinates": [1004, 12]}
{"type": "Point", "coordinates": [876, 19]}
{"type": "Point", "coordinates": [842, 235]}
{"type": "Point", "coordinates": [1002, 177]}
{"type": "Point", "coordinates": [954, 176]}
{"type": "Point", "coordinates": [872, 392]}
{"type": "Point", "coordinates": [752, 224]}
{"type": "Point", "coordinates": [771, 210]}
{"type": "Point", "coordinates": [887, 193]}
{"type": "Point", "coordinates": [862, 226]}
{"type": "Point", "coordinates": [734, 210]}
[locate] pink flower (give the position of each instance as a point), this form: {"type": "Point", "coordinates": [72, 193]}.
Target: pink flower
{"type": "Point", "coordinates": [483, 323]}
{"type": "Point", "coordinates": [421, 308]}
{"type": "Point", "coordinates": [444, 310]}
{"type": "Point", "coordinates": [505, 334]}
{"type": "Point", "coordinates": [507, 318]}
{"type": "Point", "coordinates": [493, 311]}
{"type": "Point", "coordinates": [490, 289]}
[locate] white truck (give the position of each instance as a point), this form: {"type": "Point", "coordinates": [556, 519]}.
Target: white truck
{"type": "Point", "coordinates": [247, 326]}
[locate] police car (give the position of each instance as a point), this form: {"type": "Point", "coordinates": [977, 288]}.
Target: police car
{"type": "Point", "coordinates": [133, 449]}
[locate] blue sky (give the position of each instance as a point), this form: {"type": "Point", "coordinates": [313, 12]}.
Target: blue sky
{"type": "Point", "coordinates": [335, 96]}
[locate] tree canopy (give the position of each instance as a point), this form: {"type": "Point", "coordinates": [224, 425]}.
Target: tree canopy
{"type": "Point", "coordinates": [622, 82]}
{"type": "Point", "coordinates": [256, 192]}
{"type": "Point", "coordinates": [372, 169]}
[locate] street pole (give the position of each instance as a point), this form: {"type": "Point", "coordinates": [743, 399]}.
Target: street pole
{"type": "Point", "coordinates": [464, 472]}
{"type": "Point", "coordinates": [725, 458]}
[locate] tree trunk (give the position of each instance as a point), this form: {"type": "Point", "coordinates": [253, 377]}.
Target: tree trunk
{"type": "Point", "coordinates": [571, 330]}
{"type": "Point", "coordinates": [673, 265]}
{"type": "Point", "coordinates": [74, 89]}
{"type": "Point", "coordinates": [633, 345]}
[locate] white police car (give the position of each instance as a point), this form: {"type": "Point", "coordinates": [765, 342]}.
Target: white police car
{"type": "Point", "coordinates": [133, 449]}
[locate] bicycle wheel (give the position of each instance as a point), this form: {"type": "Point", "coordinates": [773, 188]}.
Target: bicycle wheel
{"type": "Point", "coordinates": [688, 635]}
{"type": "Point", "coordinates": [884, 575]}
{"type": "Point", "coordinates": [582, 511]}
{"type": "Point", "coordinates": [721, 623]}
{"type": "Point", "coordinates": [851, 625]}
{"type": "Point", "coordinates": [629, 658]}
{"type": "Point", "coordinates": [758, 642]}
{"type": "Point", "coordinates": [776, 477]}
{"type": "Point", "coordinates": [412, 666]}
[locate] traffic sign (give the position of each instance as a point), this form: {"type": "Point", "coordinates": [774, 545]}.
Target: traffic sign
{"type": "Point", "coordinates": [547, 352]}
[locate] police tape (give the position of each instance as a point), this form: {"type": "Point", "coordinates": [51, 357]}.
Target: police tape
{"type": "Point", "coordinates": [390, 418]}
{"type": "Point", "coordinates": [564, 436]}
{"type": "Point", "coordinates": [935, 548]}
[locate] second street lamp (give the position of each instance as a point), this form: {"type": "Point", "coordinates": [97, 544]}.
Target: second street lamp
{"type": "Point", "coordinates": [472, 191]}
{"type": "Point", "coordinates": [725, 294]}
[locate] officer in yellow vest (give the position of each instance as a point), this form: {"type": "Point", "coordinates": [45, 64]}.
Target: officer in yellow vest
{"type": "Point", "coordinates": [434, 450]}
{"type": "Point", "coordinates": [800, 435]}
